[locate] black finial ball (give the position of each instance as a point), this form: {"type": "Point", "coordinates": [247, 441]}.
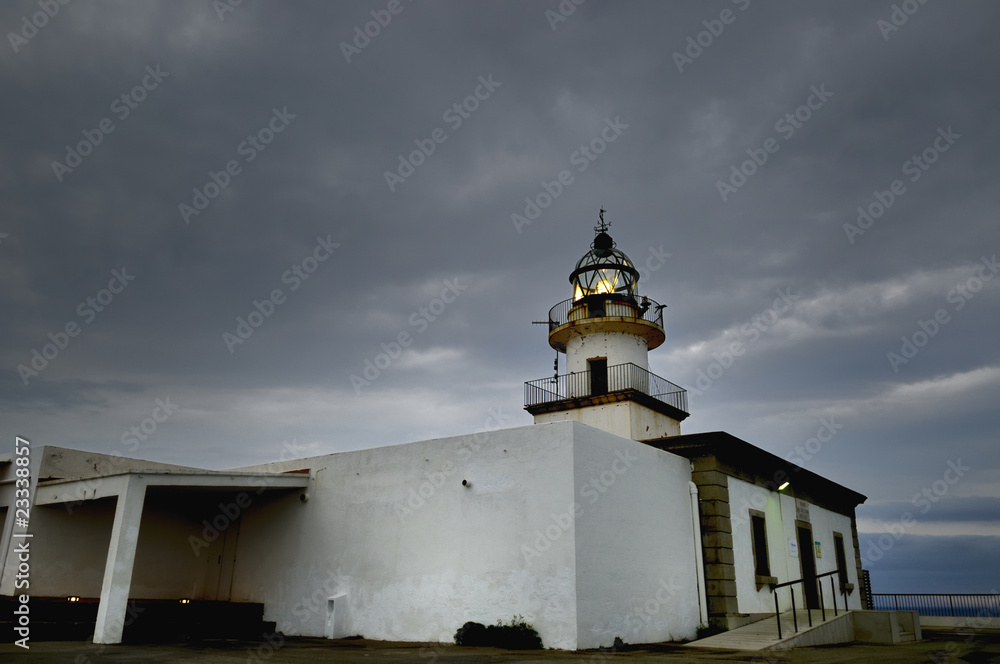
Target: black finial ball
{"type": "Point", "coordinates": [603, 242]}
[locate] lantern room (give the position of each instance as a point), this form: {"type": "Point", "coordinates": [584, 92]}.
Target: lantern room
{"type": "Point", "coordinates": [604, 269]}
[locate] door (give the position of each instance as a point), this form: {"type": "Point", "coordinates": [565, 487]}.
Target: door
{"type": "Point", "coordinates": [808, 562]}
{"type": "Point", "coordinates": [598, 376]}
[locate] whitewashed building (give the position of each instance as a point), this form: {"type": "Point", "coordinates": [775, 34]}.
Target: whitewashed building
{"type": "Point", "coordinates": [600, 520]}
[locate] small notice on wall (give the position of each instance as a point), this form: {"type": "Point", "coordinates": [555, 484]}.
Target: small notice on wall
{"type": "Point", "coordinates": [801, 510]}
{"type": "Point", "coordinates": [793, 548]}
{"type": "Point", "coordinates": [819, 550]}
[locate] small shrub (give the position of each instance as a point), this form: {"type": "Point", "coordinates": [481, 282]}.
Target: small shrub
{"type": "Point", "coordinates": [471, 634]}
{"type": "Point", "coordinates": [518, 635]}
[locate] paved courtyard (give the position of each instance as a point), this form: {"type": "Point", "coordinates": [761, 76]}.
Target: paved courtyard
{"type": "Point", "coordinates": [938, 646]}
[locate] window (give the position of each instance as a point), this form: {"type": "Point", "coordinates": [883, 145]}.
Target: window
{"type": "Point", "coordinates": [838, 546]}
{"type": "Point", "coordinates": [758, 531]}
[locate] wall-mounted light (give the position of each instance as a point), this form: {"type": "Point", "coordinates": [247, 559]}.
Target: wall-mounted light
{"type": "Point", "coordinates": [784, 486]}
{"type": "Point", "coordinates": [185, 600]}
{"type": "Point", "coordinates": [72, 598]}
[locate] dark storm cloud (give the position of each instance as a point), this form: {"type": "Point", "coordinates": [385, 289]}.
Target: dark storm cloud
{"type": "Point", "coordinates": [982, 508]}
{"type": "Point", "coordinates": [928, 564]}
{"type": "Point", "coordinates": [839, 104]}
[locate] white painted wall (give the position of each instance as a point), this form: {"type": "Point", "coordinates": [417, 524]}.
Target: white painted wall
{"type": "Point", "coordinates": [624, 418]}
{"type": "Point", "coordinates": [618, 347]}
{"type": "Point", "coordinates": [636, 573]}
{"type": "Point", "coordinates": [779, 512]}
{"type": "Point", "coordinates": [415, 553]}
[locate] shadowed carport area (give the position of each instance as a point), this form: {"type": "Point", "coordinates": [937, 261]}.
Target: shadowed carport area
{"type": "Point", "coordinates": [173, 535]}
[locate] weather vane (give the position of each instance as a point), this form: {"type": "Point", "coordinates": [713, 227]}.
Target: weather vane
{"type": "Point", "coordinates": [604, 225]}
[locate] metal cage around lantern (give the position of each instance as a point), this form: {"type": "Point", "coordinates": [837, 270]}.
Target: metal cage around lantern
{"type": "Point", "coordinates": [604, 270]}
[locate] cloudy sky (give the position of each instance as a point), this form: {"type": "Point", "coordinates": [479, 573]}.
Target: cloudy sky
{"type": "Point", "coordinates": [229, 213]}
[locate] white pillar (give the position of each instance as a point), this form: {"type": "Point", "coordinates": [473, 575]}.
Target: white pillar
{"type": "Point", "coordinates": [112, 610]}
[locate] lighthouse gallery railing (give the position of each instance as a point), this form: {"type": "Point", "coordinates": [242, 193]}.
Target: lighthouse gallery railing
{"type": "Point", "coordinates": [643, 308]}
{"type": "Point", "coordinates": [620, 377]}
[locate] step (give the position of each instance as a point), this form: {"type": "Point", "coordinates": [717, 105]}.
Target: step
{"type": "Point", "coordinates": [763, 634]}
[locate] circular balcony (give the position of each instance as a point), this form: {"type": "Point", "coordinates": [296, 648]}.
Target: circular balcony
{"type": "Point", "coordinates": [606, 313]}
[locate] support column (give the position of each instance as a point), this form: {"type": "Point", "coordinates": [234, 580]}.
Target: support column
{"type": "Point", "coordinates": [121, 558]}
{"type": "Point", "coordinates": [717, 544]}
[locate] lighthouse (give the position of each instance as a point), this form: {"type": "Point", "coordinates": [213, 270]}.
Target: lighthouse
{"type": "Point", "coordinates": [606, 330]}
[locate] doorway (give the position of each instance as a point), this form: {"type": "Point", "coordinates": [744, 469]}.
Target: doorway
{"type": "Point", "coordinates": [598, 376]}
{"type": "Point", "coordinates": [807, 560]}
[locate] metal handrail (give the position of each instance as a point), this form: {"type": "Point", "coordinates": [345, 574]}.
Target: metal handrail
{"type": "Point", "coordinates": [819, 588]}
{"type": "Point", "coordinates": [620, 378]}
{"type": "Point", "coordinates": [940, 604]}
{"type": "Point", "coordinates": [594, 306]}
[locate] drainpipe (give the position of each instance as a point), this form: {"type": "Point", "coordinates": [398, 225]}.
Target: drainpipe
{"type": "Point", "coordinates": [699, 560]}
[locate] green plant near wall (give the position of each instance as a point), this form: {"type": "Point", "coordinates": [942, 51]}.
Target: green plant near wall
{"type": "Point", "coordinates": [516, 635]}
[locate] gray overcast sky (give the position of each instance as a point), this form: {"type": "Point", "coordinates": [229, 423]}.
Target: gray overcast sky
{"type": "Point", "coordinates": [729, 141]}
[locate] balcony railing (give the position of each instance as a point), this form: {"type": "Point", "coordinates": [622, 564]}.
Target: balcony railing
{"type": "Point", "coordinates": [618, 378]}
{"type": "Point", "coordinates": [932, 604]}
{"type": "Point", "coordinates": [596, 306]}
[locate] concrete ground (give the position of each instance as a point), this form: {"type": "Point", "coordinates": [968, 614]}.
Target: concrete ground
{"type": "Point", "coordinates": [938, 646]}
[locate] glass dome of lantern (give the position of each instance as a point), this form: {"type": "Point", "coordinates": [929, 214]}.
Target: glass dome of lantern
{"type": "Point", "coordinates": [604, 270]}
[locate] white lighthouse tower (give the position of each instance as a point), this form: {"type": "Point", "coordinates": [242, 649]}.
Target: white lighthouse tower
{"type": "Point", "coordinates": [606, 331]}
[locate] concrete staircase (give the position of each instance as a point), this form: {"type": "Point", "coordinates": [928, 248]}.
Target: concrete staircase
{"type": "Point", "coordinates": [868, 626]}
